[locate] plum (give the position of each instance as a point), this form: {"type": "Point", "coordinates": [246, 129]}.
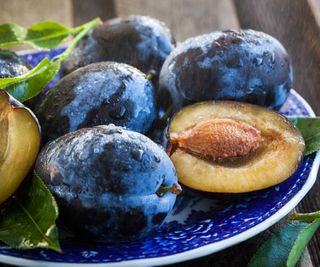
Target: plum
{"type": "Point", "coordinates": [20, 143]}
{"type": "Point", "coordinates": [233, 147]}
{"type": "Point", "coordinates": [106, 180]}
{"type": "Point", "coordinates": [12, 65]}
{"type": "Point", "coordinates": [140, 41]}
{"type": "Point", "coordinates": [100, 93]}
{"type": "Point", "coordinates": [246, 66]}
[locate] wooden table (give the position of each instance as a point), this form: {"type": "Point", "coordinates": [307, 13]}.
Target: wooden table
{"type": "Point", "coordinates": [294, 22]}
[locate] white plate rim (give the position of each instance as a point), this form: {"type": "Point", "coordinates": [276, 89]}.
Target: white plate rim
{"type": "Point", "coordinates": [203, 250]}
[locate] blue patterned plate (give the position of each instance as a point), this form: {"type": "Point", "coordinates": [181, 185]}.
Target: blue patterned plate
{"type": "Point", "coordinates": [196, 227]}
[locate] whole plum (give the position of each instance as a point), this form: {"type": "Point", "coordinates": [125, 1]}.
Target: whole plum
{"type": "Point", "coordinates": [139, 41]}
{"type": "Point", "coordinates": [100, 93]}
{"type": "Point", "coordinates": [106, 180]}
{"type": "Point", "coordinates": [246, 66]}
{"type": "Point", "coordinates": [12, 65]}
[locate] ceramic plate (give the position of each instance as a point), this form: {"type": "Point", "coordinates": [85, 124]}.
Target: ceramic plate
{"type": "Point", "coordinates": [196, 227]}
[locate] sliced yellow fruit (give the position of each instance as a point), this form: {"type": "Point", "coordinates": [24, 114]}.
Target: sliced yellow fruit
{"type": "Point", "coordinates": [276, 159]}
{"type": "Point", "coordinates": [19, 144]}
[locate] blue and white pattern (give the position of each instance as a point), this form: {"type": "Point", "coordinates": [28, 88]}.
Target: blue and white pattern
{"type": "Point", "coordinates": [194, 223]}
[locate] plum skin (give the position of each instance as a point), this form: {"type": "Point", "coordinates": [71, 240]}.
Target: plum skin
{"type": "Point", "coordinates": [246, 66]}
{"type": "Point", "coordinates": [100, 93]}
{"type": "Point", "coordinates": [139, 41]}
{"type": "Point", "coordinates": [105, 180]}
{"type": "Point", "coordinates": [12, 65]}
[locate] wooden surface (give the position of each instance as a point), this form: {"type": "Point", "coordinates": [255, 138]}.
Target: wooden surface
{"type": "Point", "coordinates": [27, 12]}
{"type": "Point", "coordinates": [185, 18]}
{"type": "Point", "coordinates": [294, 22]}
{"type": "Point", "coordinates": [85, 10]}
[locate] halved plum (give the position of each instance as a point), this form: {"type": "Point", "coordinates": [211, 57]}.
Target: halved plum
{"type": "Point", "coordinates": [232, 147]}
{"type": "Point", "coordinates": [20, 143]}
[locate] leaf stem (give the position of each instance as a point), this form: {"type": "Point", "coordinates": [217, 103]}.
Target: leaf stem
{"type": "Point", "coordinates": [174, 189]}
{"type": "Point", "coordinates": [82, 31]}
{"type": "Point", "coordinates": [166, 115]}
{"type": "Point", "coordinates": [305, 217]}
{"type": "Point", "coordinates": [32, 83]}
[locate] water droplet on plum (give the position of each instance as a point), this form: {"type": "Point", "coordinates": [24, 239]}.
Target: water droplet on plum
{"type": "Point", "coordinates": [118, 112]}
{"type": "Point", "coordinates": [273, 58]}
{"type": "Point", "coordinates": [83, 156]}
{"type": "Point", "coordinates": [137, 154]}
{"type": "Point", "coordinates": [108, 146]}
{"type": "Point", "coordinates": [157, 158]}
{"type": "Point", "coordinates": [258, 61]}
{"type": "Point", "coordinates": [132, 136]}
{"type": "Point", "coordinates": [217, 44]}
{"type": "Point", "coordinates": [143, 139]}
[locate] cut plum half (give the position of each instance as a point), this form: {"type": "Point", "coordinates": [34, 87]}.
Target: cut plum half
{"type": "Point", "coordinates": [19, 144]}
{"type": "Point", "coordinates": [232, 147]}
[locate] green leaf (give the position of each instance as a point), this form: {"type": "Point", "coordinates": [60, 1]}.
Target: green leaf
{"type": "Point", "coordinates": [310, 129]}
{"type": "Point", "coordinates": [301, 242]}
{"type": "Point", "coordinates": [285, 247]}
{"type": "Point", "coordinates": [11, 34]}
{"type": "Point", "coordinates": [28, 220]}
{"type": "Point", "coordinates": [82, 30]}
{"type": "Point", "coordinates": [47, 35]}
{"type": "Point", "coordinates": [43, 35]}
{"type": "Point", "coordinates": [31, 84]}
